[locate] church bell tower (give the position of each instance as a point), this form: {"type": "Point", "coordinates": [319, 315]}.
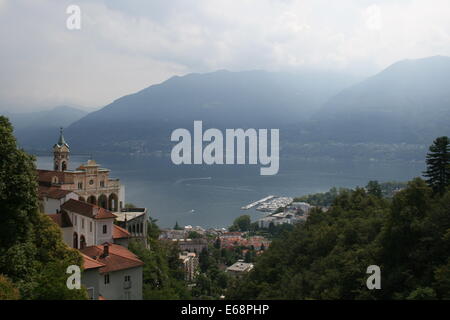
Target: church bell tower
{"type": "Point", "coordinates": [61, 154]}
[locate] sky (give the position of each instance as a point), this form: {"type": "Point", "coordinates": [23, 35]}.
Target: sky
{"type": "Point", "coordinates": [125, 46]}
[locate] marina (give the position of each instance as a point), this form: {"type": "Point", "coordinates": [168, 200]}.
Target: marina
{"type": "Point", "coordinates": [269, 203]}
{"type": "Point", "coordinates": [254, 204]}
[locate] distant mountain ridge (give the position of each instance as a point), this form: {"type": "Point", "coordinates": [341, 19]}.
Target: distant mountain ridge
{"type": "Point", "coordinates": [38, 130]}
{"type": "Point", "coordinates": [250, 99]}
{"type": "Point", "coordinates": [407, 102]}
{"type": "Point", "coordinates": [317, 113]}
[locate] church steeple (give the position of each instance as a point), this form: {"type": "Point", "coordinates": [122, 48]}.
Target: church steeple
{"type": "Point", "coordinates": [61, 153]}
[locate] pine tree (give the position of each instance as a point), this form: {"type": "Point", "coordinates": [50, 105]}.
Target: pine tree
{"type": "Point", "coordinates": [438, 165]}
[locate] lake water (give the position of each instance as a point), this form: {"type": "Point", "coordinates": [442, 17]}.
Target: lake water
{"type": "Point", "coordinates": [211, 196]}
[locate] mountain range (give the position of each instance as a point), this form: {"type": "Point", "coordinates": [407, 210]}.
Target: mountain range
{"type": "Point", "coordinates": [406, 103]}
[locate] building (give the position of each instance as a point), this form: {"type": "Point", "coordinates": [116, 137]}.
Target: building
{"type": "Point", "coordinates": [89, 181]}
{"type": "Point", "coordinates": [239, 268]}
{"type": "Point", "coordinates": [134, 220]}
{"type": "Point", "coordinates": [192, 245]}
{"type": "Point", "coordinates": [51, 198]}
{"type": "Point", "coordinates": [92, 225]}
{"type": "Point", "coordinates": [113, 272]}
{"type": "Point", "coordinates": [85, 204]}
{"type": "Point", "coordinates": [190, 265]}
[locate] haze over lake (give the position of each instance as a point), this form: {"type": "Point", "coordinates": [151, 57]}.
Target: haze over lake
{"type": "Point", "coordinates": [211, 196]}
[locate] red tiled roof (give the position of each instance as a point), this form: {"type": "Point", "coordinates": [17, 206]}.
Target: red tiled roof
{"type": "Point", "coordinates": [119, 258]}
{"type": "Point", "coordinates": [46, 176]}
{"type": "Point", "coordinates": [120, 233]}
{"type": "Point", "coordinates": [52, 192]}
{"type": "Point", "coordinates": [89, 263]}
{"type": "Point", "coordinates": [61, 219]}
{"type": "Point", "coordinates": [87, 209]}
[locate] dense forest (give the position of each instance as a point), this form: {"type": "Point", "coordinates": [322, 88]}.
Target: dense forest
{"type": "Point", "coordinates": [407, 236]}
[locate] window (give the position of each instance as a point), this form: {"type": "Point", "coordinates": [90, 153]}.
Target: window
{"type": "Point", "coordinates": [90, 291]}
{"type": "Point", "coordinates": [105, 230]}
{"type": "Point", "coordinates": [127, 278]}
{"type": "Point", "coordinates": [106, 278]}
{"type": "Point", "coordinates": [80, 185]}
{"type": "Point", "coordinates": [82, 223]}
{"type": "Point", "coordinates": [91, 182]}
{"type": "Point", "coordinates": [102, 184]}
{"type": "Point", "coordinates": [90, 226]}
{"type": "Point", "coordinates": [75, 220]}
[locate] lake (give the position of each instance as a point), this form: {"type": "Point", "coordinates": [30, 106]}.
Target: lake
{"type": "Point", "coordinates": [211, 196]}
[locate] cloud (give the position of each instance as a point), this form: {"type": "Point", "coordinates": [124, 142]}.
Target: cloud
{"type": "Point", "coordinates": [125, 46]}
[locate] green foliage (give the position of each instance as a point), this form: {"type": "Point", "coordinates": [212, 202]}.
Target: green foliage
{"type": "Point", "coordinates": [194, 235]}
{"type": "Point", "coordinates": [7, 289]}
{"type": "Point", "coordinates": [241, 223]}
{"type": "Point", "coordinates": [321, 199]}
{"type": "Point", "coordinates": [374, 188]}
{"type": "Point", "coordinates": [327, 256]}
{"type": "Point", "coordinates": [438, 165]}
{"type": "Point", "coordinates": [163, 276]}
{"type": "Point", "coordinates": [32, 253]}
{"type": "Point", "coordinates": [153, 230]}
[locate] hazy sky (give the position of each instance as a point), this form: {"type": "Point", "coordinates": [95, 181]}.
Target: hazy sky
{"type": "Point", "coordinates": [126, 45]}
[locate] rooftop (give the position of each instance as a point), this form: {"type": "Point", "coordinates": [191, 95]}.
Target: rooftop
{"type": "Point", "coordinates": [240, 267]}
{"type": "Point", "coordinates": [120, 233]}
{"type": "Point", "coordinates": [86, 209]}
{"type": "Point", "coordinates": [118, 257]}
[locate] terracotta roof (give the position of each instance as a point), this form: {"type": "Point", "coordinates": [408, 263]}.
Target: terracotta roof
{"type": "Point", "coordinates": [87, 209]}
{"type": "Point", "coordinates": [120, 233]}
{"type": "Point", "coordinates": [61, 219]}
{"type": "Point", "coordinates": [52, 192]}
{"type": "Point", "coordinates": [46, 176]}
{"type": "Point", "coordinates": [119, 258]}
{"type": "Point", "coordinates": [89, 263]}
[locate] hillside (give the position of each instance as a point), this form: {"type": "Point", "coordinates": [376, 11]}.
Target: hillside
{"type": "Point", "coordinates": [407, 102]}
{"type": "Point", "coordinates": [143, 121]}
{"type": "Point", "coordinates": [34, 130]}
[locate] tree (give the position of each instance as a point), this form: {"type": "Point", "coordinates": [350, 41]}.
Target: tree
{"type": "Point", "coordinates": [177, 226]}
{"type": "Point", "coordinates": [438, 165]}
{"type": "Point", "coordinates": [32, 253]}
{"type": "Point", "coordinates": [242, 223]}
{"type": "Point", "coordinates": [374, 188]}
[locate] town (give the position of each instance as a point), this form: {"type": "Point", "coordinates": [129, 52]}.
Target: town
{"type": "Point", "coordinates": [89, 207]}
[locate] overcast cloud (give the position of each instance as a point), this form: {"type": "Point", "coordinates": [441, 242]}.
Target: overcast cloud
{"type": "Point", "coordinates": [125, 46]}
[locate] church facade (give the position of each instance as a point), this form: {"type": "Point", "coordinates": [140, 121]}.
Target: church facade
{"type": "Point", "coordinates": [89, 181]}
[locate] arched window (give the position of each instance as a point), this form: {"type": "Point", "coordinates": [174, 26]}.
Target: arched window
{"type": "Point", "coordinates": [82, 242]}
{"type": "Point", "coordinates": [75, 240]}
{"type": "Point", "coordinates": [64, 166]}
{"type": "Point", "coordinates": [103, 201]}
{"type": "Point", "coordinates": [92, 200]}
{"type": "Point", "coordinates": [112, 202]}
